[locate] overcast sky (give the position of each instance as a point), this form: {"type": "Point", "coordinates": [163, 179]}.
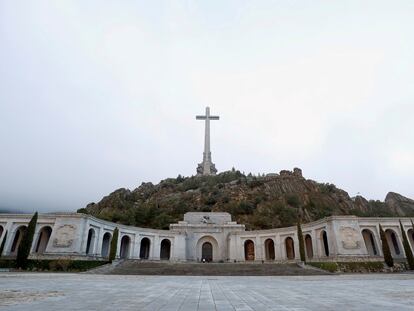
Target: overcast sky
{"type": "Point", "coordinates": [98, 95]}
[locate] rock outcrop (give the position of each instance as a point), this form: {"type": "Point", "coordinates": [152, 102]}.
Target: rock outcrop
{"type": "Point", "coordinates": [260, 202]}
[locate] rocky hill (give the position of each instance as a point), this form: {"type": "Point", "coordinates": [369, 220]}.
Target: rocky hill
{"type": "Point", "coordinates": [259, 202]}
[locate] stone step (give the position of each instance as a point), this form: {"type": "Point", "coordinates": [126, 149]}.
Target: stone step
{"type": "Point", "coordinates": [136, 267]}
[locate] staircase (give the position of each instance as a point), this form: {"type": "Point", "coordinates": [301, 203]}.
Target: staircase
{"type": "Point", "coordinates": [137, 267]}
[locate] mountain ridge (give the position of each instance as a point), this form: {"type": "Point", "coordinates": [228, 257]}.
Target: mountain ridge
{"type": "Point", "coordinates": [259, 202]}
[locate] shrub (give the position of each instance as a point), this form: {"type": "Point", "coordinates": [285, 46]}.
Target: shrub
{"type": "Point", "coordinates": [328, 266]}
{"type": "Point", "coordinates": [59, 265]}
{"type": "Point", "coordinates": [26, 244]}
{"type": "Point", "coordinates": [386, 248]}
{"type": "Point", "coordinates": [114, 245]}
{"type": "Point", "coordinates": [301, 243]}
{"type": "Point", "coordinates": [293, 200]}
{"type": "Point", "coordinates": [407, 248]}
{"type": "Point", "coordinates": [369, 266]}
{"type": "Point", "coordinates": [3, 243]}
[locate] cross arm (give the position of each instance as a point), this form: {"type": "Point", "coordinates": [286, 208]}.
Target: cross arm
{"type": "Point", "coordinates": [200, 117]}
{"type": "Point", "coordinates": [214, 117]}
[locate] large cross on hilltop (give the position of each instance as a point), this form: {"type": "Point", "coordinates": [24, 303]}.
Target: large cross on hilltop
{"type": "Point", "coordinates": [207, 167]}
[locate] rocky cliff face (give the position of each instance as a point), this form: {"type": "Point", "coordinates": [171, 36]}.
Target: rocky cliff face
{"type": "Point", "coordinates": [260, 202]}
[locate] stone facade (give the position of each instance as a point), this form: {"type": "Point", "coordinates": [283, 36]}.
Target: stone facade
{"type": "Point", "coordinates": [205, 237]}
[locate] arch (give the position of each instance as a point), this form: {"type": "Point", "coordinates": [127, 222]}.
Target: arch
{"type": "Point", "coordinates": [207, 252]}
{"type": "Point", "coordinates": [90, 242]}
{"type": "Point", "coordinates": [43, 239]}
{"type": "Point", "coordinates": [165, 252]}
{"type": "Point", "coordinates": [144, 250]}
{"type": "Point", "coordinates": [325, 245]}
{"type": "Point", "coordinates": [393, 242]}
{"type": "Point", "coordinates": [17, 239]}
{"type": "Point", "coordinates": [308, 246]}
{"type": "Point", "coordinates": [106, 242]}
{"type": "Point", "coordinates": [370, 243]}
{"type": "Point", "coordinates": [290, 248]}
{"type": "Point", "coordinates": [269, 249]}
{"type": "Point", "coordinates": [249, 250]}
{"type": "Point", "coordinates": [410, 235]}
{"type": "Point", "coordinates": [214, 244]}
{"type": "Point", "coordinates": [125, 245]}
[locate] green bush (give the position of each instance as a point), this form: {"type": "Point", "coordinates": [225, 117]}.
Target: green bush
{"type": "Point", "coordinates": [59, 265]}
{"type": "Point", "coordinates": [26, 244]}
{"type": "Point", "coordinates": [301, 243]}
{"type": "Point", "coordinates": [55, 264]}
{"type": "Point", "coordinates": [370, 266]}
{"type": "Point", "coordinates": [293, 200]}
{"type": "Point", "coordinates": [328, 266]}
{"type": "Point", "coordinates": [386, 248]}
{"type": "Point", "coordinates": [114, 245]}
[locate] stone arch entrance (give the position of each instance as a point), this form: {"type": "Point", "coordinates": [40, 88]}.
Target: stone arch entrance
{"type": "Point", "coordinates": [106, 241]}
{"type": "Point", "coordinates": [325, 246]}
{"type": "Point", "coordinates": [290, 248]}
{"type": "Point", "coordinates": [165, 252]}
{"type": "Point", "coordinates": [249, 250]}
{"type": "Point", "coordinates": [204, 245]}
{"type": "Point", "coordinates": [43, 240]}
{"type": "Point", "coordinates": [308, 246]}
{"type": "Point", "coordinates": [17, 239]}
{"type": "Point", "coordinates": [207, 252]}
{"type": "Point", "coordinates": [410, 235]}
{"type": "Point", "coordinates": [90, 242]}
{"type": "Point", "coordinates": [144, 250]}
{"type": "Point", "coordinates": [369, 241]}
{"type": "Point", "coordinates": [270, 249]}
{"type": "Point", "coordinates": [393, 242]}
{"type": "Point", "coordinates": [125, 244]}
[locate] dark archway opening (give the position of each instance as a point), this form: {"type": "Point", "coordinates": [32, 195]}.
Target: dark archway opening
{"type": "Point", "coordinates": [308, 246]}
{"type": "Point", "coordinates": [394, 245]}
{"type": "Point", "coordinates": [270, 249]}
{"type": "Point", "coordinates": [369, 241]}
{"type": "Point", "coordinates": [90, 242]}
{"type": "Point", "coordinates": [145, 248]}
{"type": "Point", "coordinates": [165, 252]}
{"type": "Point", "coordinates": [43, 240]}
{"type": "Point", "coordinates": [106, 242]}
{"type": "Point", "coordinates": [325, 243]}
{"type": "Point", "coordinates": [17, 239]}
{"type": "Point", "coordinates": [207, 252]}
{"type": "Point", "coordinates": [290, 248]}
{"type": "Point", "coordinates": [125, 243]}
{"type": "Point", "coordinates": [249, 250]}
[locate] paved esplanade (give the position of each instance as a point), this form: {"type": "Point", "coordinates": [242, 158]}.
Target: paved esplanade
{"type": "Point", "coordinates": [42, 291]}
{"type": "Point", "coordinates": [207, 167]}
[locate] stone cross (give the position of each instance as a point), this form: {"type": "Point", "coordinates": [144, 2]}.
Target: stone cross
{"type": "Point", "coordinates": [207, 167]}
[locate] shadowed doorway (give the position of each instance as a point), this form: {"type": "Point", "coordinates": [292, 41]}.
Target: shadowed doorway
{"type": "Point", "coordinates": [207, 252]}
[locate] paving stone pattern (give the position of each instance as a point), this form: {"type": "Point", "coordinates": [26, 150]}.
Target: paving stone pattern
{"type": "Point", "coordinates": [47, 291]}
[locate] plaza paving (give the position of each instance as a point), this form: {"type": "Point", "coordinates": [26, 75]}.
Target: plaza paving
{"type": "Point", "coordinates": [47, 291]}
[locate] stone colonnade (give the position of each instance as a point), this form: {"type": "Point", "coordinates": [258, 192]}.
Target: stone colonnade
{"type": "Point", "coordinates": [80, 236]}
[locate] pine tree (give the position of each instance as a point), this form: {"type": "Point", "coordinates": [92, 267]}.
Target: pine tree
{"type": "Point", "coordinates": [407, 248]}
{"type": "Point", "coordinates": [301, 243]}
{"type": "Point", "coordinates": [3, 243]}
{"type": "Point", "coordinates": [26, 244]}
{"type": "Point", "coordinates": [114, 245]}
{"type": "Point", "coordinates": [386, 248]}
